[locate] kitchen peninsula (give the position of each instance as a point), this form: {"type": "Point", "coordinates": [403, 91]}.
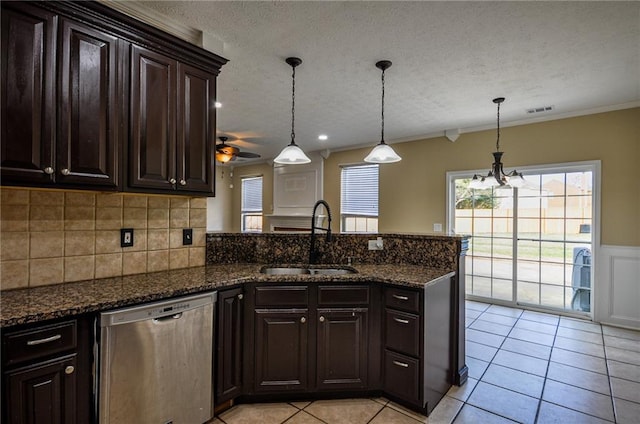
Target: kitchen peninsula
{"type": "Point", "coordinates": [414, 283]}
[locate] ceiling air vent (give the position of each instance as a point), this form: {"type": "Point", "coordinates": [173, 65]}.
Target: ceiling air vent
{"type": "Point", "coordinates": [540, 109]}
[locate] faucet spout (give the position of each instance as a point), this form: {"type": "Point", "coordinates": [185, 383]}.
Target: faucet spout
{"type": "Point", "coordinates": [313, 252]}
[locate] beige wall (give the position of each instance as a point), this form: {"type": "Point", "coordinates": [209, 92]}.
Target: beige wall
{"type": "Point", "coordinates": [412, 192]}
{"type": "Point", "coordinates": [55, 236]}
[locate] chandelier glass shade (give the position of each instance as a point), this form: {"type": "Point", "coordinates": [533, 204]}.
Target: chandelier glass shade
{"type": "Point", "coordinates": [382, 153]}
{"type": "Point", "coordinates": [292, 154]}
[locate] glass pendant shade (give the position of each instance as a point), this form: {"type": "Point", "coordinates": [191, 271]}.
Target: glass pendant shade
{"type": "Point", "coordinates": [292, 155]}
{"type": "Point", "coordinates": [382, 153]}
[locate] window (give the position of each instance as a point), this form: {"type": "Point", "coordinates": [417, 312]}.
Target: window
{"type": "Point", "coordinates": [359, 199]}
{"type": "Point", "coordinates": [251, 208]}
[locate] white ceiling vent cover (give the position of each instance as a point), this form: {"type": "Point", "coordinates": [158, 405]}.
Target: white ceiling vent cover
{"type": "Point", "coordinates": [540, 109]}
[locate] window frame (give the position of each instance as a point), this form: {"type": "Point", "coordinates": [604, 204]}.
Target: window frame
{"type": "Point", "coordinates": [251, 212]}
{"type": "Point", "coordinates": [365, 217]}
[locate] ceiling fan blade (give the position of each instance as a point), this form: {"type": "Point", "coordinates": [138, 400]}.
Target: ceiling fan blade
{"type": "Point", "coordinates": [247, 155]}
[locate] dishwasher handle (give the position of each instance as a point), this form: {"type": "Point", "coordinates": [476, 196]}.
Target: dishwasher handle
{"type": "Point", "coordinates": [167, 318]}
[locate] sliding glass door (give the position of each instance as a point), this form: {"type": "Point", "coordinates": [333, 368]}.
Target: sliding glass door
{"type": "Point", "coordinates": [532, 245]}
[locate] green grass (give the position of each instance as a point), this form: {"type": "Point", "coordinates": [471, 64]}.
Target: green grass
{"type": "Point", "coordinates": [526, 250]}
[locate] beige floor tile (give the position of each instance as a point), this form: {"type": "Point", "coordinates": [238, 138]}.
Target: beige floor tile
{"type": "Point", "coordinates": [540, 317]}
{"type": "Point", "coordinates": [626, 371]}
{"type": "Point", "coordinates": [504, 402]}
{"type": "Point", "coordinates": [550, 413]}
{"type": "Point", "coordinates": [264, 413]}
{"type": "Point", "coordinates": [578, 377]}
{"type": "Point", "coordinates": [300, 405]}
{"type": "Point", "coordinates": [303, 418]}
{"type": "Point", "coordinates": [476, 367]}
{"type": "Point", "coordinates": [578, 399]}
{"type": "Point", "coordinates": [445, 411]}
{"type": "Point", "coordinates": [344, 411]}
{"type": "Point", "coordinates": [491, 327]}
{"type": "Point", "coordinates": [503, 310]}
{"type": "Point", "coordinates": [627, 412]}
{"type": "Point", "coordinates": [498, 319]}
{"type": "Point", "coordinates": [392, 416]}
{"type": "Point", "coordinates": [622, 343]}
{"type": "Point", "coordinates": [580, 325]}
{"type": "Point", "coordinates": [579, 346]}
{"type": "Point", "coordinates": [520, 362]}
{"type": "Point", "coordinates": [622, 355]}
{"type": "Point", "coordinates": [518, 381]}
{"type": "Point", "coordinates": [579, 360]}
{"type": "Point", "coordinates": [381, 400]}
{"type": "Point", "coordinates": [621, 332]}
{"type": "Point", "coordinates": [531, 336]}
{"type": "Point", "coordinates": [408, 412]}
{"type": "Point", "coordinates": [625, 389]}
{"type": "Point", "coordinates": [526, 348]}
{"type": "Point", "coordinates": [462, 392]}
{"type": "Point", "coordinates": [472, 415]}
{"type": "Point", "coordinates": [484, 338]}
{"type": "Point", "coordinates": [480, 351]}
{"type": "Point", "coordinates": [538, 327]}
{"type": "Point", "coordinates": [585, 336]}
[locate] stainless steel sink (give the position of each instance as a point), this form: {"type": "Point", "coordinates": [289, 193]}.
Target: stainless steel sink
{"type": "Point", "coordinates": [306, 271]}
{"type": "Point", "coordinates": [284, 271]}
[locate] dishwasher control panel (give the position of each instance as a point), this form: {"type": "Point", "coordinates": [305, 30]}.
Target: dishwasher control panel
{"type": "Point", "coordinates": [156, 309]}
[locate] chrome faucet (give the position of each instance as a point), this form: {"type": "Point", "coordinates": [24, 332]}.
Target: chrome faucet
{"type": "Point", "coordinates": [313, 252]}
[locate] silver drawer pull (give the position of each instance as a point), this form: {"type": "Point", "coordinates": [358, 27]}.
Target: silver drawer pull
{"type": "Point", "coordinates": [42, 341]}
{"type": "Point", "coordinates": [397, 296]}
{"type": "Point", "coordinates": [401, 364]}
{"type": "Point", "coordinates": [401, 321]}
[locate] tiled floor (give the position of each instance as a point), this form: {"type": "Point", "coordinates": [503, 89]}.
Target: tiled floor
{"type": "Point", "coordinates": [524, 366]}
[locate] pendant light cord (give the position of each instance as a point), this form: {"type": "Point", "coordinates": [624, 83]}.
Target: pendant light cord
{"type": "Point", "coordinates": [382, 130]}
{"type": "Point", "coordinates": [498, 139]}
{"type": "Point", "coordinates": [293, 106]}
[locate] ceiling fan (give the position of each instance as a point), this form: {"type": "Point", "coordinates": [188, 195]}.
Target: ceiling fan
{"type": "Point", "coordinates": [226, 153]}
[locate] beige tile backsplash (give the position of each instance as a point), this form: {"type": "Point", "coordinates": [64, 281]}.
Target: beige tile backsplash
{"type": "Point", "coordinates": [56, 236]}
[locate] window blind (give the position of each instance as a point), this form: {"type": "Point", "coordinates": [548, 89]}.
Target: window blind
{"type": "Point", "coordinates": [252, 194]}
{"type": "Point", "coordinates": [359, 194]}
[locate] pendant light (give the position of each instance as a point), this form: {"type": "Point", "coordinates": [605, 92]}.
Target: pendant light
{"type": "Point", "coordinates": [292, 154]}
{"type": "Point", "coordinates": [382, 153]}
{"type": "Point", "coordinates": [496, 176]}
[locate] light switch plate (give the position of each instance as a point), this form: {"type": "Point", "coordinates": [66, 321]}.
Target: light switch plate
{"type": "Point", "coordinates": [187, 236]}
{"type": "Point", "coordinates": [437, 228]}
{"type": "Point", "coordinates": [126, 237]}
{"type": "Point", "coordinates": [376, 244]}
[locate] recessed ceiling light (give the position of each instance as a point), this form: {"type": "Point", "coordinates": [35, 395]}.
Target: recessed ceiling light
{"type": "Point", "coordinates": [218, 105]}
{"type": "Point", "coordinates": [323, 137]}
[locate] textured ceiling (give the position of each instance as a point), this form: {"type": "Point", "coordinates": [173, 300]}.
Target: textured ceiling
{"type": "Point", "coordinates": [450, 59]}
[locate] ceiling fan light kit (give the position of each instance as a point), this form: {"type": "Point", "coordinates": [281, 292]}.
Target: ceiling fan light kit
{"type": "Point", "coordinates": [292, 154]}
{"type": "Point", "coordinates": [226, 153]}
{"type": "Point", "coordinates": [382, 153]}
{"type": "Point", "coordinates": [496, 176]}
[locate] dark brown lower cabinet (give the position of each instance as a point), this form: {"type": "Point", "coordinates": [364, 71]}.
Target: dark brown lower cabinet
{"type": "Point", "coordinates": [46, 373]}
{"type": "Point", "coordinates": [281, 350]}
{"type": "Point", "coordinates": [228, 365]}
{"type": "Point", "coordinates": [342, 348]}
{"type": "Point", "coordinates": [43, 393]}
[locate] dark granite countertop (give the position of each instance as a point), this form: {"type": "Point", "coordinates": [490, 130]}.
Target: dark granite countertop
{"type": "Point", "coordinates": [42, 303]}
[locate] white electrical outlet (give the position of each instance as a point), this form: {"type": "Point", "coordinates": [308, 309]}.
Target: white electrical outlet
{"type": "Point", "coordinates": [437, 228]}
{"type": "Point", "coordinates": [377, 244]}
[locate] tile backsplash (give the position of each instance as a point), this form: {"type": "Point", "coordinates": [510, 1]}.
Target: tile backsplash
{"type": "Point", "coordinates": [56, 236]}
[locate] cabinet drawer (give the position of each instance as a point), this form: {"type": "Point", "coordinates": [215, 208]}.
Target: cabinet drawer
{"type": "Point", "coordinates": [406, 300]}
{"type": "Point", "coordinates": [401, 376]}
{"type": "Point", "coordinates": [39, 342]}
{"type": "Point", "coordinates": [343, 295]}
{"type": "Point", "coordinates": [402, 332]}
{"type": "Point", "coordinates": [288, 295]}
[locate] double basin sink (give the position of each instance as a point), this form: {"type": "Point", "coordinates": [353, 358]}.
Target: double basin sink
{"type": "Point", "coordinates": [269, 270]}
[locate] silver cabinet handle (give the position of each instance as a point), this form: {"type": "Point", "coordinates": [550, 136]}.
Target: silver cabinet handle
{"type": "Point", "coordinates": [401, 321]}
{"type": "Point", "coordinates": [397, 296]}
{"type": "Point", "coordinates": [48, 170]}
{"type": "Point", "coordinates": [303, 320]}
{"type": "Point", "coordinates": [321, 319]}
{"type": "Point", "coordinates": [401, 364]}
{"type": "Point", "coordinates": [240, 296]}
{"type": "Point", "coordinates": [42, 341]}
{"type": "Point", "coordinates": [172, 181]}
{"type": "Point", "coordinates": [183, 183]}
{"type": "Point", "coordinates": [65, 171]}
{"type": "Point", "coordinates": [69, 370]}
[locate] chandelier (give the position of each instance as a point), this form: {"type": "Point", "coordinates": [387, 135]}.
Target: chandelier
{"type": "Point", "coordinates": [496, 176]}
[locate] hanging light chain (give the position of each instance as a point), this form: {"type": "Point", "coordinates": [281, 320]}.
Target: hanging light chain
{"type": "Point", "coordinates": [498, 138]}
{"type": "Point", "coordinates": [293, 106]}
{"type": "Point", "coordinates": [382, 130]}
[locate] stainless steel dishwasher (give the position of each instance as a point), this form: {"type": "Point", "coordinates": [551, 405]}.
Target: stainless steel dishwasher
{"type": "Point", "coordinates": [156, 362]}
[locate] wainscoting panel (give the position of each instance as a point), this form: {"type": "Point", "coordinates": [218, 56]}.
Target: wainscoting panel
{"type": "Point", "coordinates": [618, 286]}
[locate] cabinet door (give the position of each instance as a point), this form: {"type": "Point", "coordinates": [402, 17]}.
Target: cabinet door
{"type": "Point", "coordinates": [229, 345]}
{"type": "Point", "coordinates": [87, 143]}
{"type": "Point", "coordinates": [281, 338]}
{"type": "Point", "coordinates": [196, 129]}
{"type": "Point", "coordinates": [43, 393]}
{"type": "Point", "coordinates": [152, 155]}
{"type": "Point", "coordinates": [28, 94]}
{"type": "Point", "coordinates": [342, 347]}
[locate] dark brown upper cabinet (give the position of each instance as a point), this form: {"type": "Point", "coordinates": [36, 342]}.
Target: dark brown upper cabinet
{"type": "Point", "coordinates": [85, 106]}
{"type": "Point", "coordinates": [172, 124]}
{"type": "Point", "coordinates": [43, 54]}
{"type": "Point", "coordinates": [28, 94]}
